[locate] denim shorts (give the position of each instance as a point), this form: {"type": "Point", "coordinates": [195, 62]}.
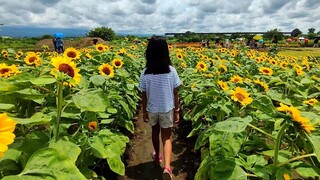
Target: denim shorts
{"type": "Point", "coordinates": [165, 120]}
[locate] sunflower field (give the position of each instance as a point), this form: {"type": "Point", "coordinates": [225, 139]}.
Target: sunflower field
{"type": "Point", "coordinates": [255, 115]}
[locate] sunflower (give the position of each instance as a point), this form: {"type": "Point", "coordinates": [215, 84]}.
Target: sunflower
{"type": "Point", "coordinates": [66, 66]}
{"type": "Point", "coordinates": [8, 71]}
{"type": "Point", "coordinates": [283, 64]}
{"type": "Point", "coordinates": [32, 59]}
{"type": "Point", "coordinates": [262, 84]}
{"type": "Point", "coordinates": [122, 52]}
{"type": "Point", "coordinates": [179, 56]}
{"type": "Point", "coordinates": [201, 66]}
{"type": "Point", "coordinates": [286, 177]}
{"type": "Point", "coordinates": [117, 63]}
{"type": "Point", "coordinates": [311, 102]}
{"type": "Point", "coordinates": [100, 47]}
{"type": "Point", "coordinates": [273, 62]}
{"type": "Point", "coordinates": [257, 59]}
{"type": "Point", "coordinates": [223, 85]}
{"type": "Point", "coordinates": [241, 95]}
{"type": "Point", "coordinates": [106, 69]}
{"type": "Point", "coordinates": [92, 126]}
{"type": "Point", "coordinates": [71, 53]}
{"type": "Point", "coordinates": [4, 51]}
{"type": "Point", "coordinates": [183, 64]}
{"type": "Point", "coordinates": [236, 79]}
{"type": "Point", "coordinates": [7, 126]}
{"type": "Point", "coordinates": [299, 71]}
{"type": "Point", "coordinates": [266, 71]}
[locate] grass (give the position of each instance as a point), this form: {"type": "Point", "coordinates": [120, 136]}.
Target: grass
{"type": "Point", "coordinates": [300, 52]}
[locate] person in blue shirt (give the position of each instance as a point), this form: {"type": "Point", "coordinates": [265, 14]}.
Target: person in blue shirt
{"type": "Point", "coordinates": [159, 82]}
{"type": "Point", "coordinates": [59, 45]}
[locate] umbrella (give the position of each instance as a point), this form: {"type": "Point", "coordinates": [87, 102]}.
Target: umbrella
{"type": "Point", "coordinates": [301, 38]}
{"type": "Point", "coordinates": [58, 35]}
{"type": "Point", "coordinates": [260, 41]}
{"type": "Point", "coordinates": [257, 37]}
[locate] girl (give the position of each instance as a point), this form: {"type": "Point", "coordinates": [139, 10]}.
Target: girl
{"type": "Point", "coordinates": [159, 84]}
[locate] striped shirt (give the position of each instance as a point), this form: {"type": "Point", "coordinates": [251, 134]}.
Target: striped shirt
{"type": "Point", "coordinates": [159, 90]}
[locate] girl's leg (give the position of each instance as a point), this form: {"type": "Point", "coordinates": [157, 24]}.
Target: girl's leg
{"type": "Point", "coordinates": [167, 146]}
{"type": "Point", "coordinates": [155, 139]}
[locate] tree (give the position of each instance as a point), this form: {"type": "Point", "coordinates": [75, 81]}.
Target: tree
{"type": "Point", "coordinates": [311, 30]}
{"type": "Point", "coordinates": [104, 33]}
{"type": "Point", "coordinates": [296, 32]}
{"type": "Point", "coordinates": [273, 32]}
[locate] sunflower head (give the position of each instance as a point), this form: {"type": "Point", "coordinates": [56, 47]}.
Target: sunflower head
{"type": "Point", "coordinates": [71, 53]}
{"type": "Point", "coordinates": [311, 102]}
{"type": "Point", "coordinates": [32, 59]}
{"type": "Point", "coordinates": [266, 71]}
{"type": "Point", "coordinates": [92, 126]}
{"type": "Point", "coordinates": [201, 66]}
{"type": "Point", "coordinates": [65, 69]}
{"type": "Point", "coordinates": [7, 126]}
{"type": "Point", "coordinates": [237, 79]}
{"type": "Point", "coordinates": [223, 85]}
{"type": "Point", "coordinates": [106, 69]}
{"type": "Point", "coordinates": [117, 63]}
{"type": "Point", "coordinates": [241, 95]}
{"type": "Point", "coordinates": [8, 71]}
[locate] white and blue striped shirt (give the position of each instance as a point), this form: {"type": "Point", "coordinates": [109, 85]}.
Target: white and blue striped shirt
{"type": "Point", "coordinates": [159, 90]}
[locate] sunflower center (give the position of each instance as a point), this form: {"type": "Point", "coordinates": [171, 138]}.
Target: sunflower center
{"type": "Point", "coordinates": [201, 66]}
{"type": "Point", "coordinates": [100, 48]}
{"type": "Point", "coordinates": [240, 96]}
{"type": "Point", "coordinates": [72, 54]}
{"type": "Point", "coordinates": [106, 70]}
{"type": "Point", "coordinates": [32, 59]}
{"type": "Point", "coordinates": [179, 56]}
{"type": "Point", "coordinates": [4, 70]}
{"type": "Point", "coordinates": [117, 63]}
{"type": "Point", "coordinates": [266, 71]}
{"type": "Point", "coordinates": [65, 68]}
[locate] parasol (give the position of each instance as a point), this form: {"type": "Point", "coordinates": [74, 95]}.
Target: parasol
{"type": "Point", "coordinates": [58, 35]}
{"type": "Point", "coordinates": [257, 37]}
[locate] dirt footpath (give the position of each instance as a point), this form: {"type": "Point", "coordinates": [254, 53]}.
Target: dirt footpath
{"type": "Point", "coordinates": [140, 165]}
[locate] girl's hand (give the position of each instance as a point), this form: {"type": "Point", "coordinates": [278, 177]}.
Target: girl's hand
{"type": "Point", "coordinates": [145, 116]}
{"type": "Point", "coordinates": [176, 117]}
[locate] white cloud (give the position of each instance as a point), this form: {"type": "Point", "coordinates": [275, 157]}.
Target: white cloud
{"type": "Point", "coordinates": [161, 16]}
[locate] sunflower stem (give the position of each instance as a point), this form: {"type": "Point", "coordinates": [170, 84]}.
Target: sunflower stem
{"type": "Point", "coordinates": [296, 158]}
{"type": "Point", "coordinates": [276, 150]}
{"type": "Point", "coordinates": [59, 109]}
{"type": "Point", "coordinates": [260, 130]}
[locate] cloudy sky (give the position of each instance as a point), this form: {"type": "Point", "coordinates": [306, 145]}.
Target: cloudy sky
{"type": "Point", "coordinates": [161, 16]}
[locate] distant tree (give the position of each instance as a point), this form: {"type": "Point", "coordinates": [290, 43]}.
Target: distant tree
{"type": "Point", "coordinates": [273, 32]}
{"type": "Point", "coordinates": [47, 36]}
{"type": "Point", "coordinates": [311, 30]}
{"type": "Point", "coordinates": [296, 32]}
{"type": "Point", "coordinates": [104, 33]}
{"type": "Point", "coordinates": [318, 32]}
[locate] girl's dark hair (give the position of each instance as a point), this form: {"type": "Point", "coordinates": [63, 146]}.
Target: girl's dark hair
{"type": "Point", "coordinates": [157, 56]}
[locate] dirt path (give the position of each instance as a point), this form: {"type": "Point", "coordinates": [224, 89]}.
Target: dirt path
{"type": "Point", "coordinates": [140, 166]}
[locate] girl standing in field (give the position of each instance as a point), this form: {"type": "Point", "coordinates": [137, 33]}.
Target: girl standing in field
{"type": "Point", "coordinates": [159, 84]}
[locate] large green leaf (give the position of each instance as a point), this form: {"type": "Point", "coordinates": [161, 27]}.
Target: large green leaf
{"type": "Point", "coordinates": [7, 87]}
{"type": "Point", "coordinates": [49, 163]}
{"type": "Point", "coordinates": [315, 140]}
{"type": "Point", "coordinates": [228, 170]}
{"type": "Point", "coordinates": [98, 80]}
{"type": "Point", "coordinates": [4, 106]}
{"type": "Point", "coordinates": [9, 162]}
{"type": "Point", "coordinates": [37, 119]}
{"type": "Point", "coordinates": [43, 80]}
{"type": "Point", "coordinates": [264, 104]}
{"type": "Point", "coordinates": [71, 150]}
{"type": "Point", "coordinates": [306, 170]}
{"type": "Point", "coordinates": [233, 125]}
{"type": "Point", "coordinates": [95, 101]}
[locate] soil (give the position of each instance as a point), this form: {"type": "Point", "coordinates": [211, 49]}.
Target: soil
{"type": "Point", "coordinates": [139, 163]}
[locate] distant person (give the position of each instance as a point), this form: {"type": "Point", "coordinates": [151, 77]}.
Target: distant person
{"type": "Point", "coordinates": [95, 41]}
{"type": "Point", "coordinates": [54, 44]}
{"type": "Point", "coordinates": [59, 45]}
{"type": "Point", "coordinates": [275, 39]}
{"type": "Point", "coordinates": [159, 82]}
{"type": "Point", "coordinates": [306, 40]}
{"type": "Point", "coordinates": [315, 42]}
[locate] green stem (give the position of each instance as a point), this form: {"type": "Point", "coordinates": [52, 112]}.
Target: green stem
{"type": "Point", "coordinates": [296, 158]}
{"type": "Point", "coordinates": [59, 109]}
{"type": "Point", "coordinates": [276, 150]}
{"type": "Point", "coordinates": [260, 130]}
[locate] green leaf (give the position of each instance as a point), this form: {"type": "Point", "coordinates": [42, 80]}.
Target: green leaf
{"type": "Point", "coordinates": [98, 80]}
{"type": "Point", "coordinates": [306, 170]}
{"type": "Point", "coordinates": [49, 163]}
{"type": "Point", "coordinates": [112, 110]}
{"type": "Point", "coordinates": [7, 87]}
{"type": "Point", "coordinates": [126, 109]}
{"type": "Point", "coordinates": [315, 141]}
{"type": "Point", "coordinates": [116, 165]}
{"type": "Point", "coordinates": [71, 150]}
{"type": "Point", "coordinates": [4, 106]}
{"type": "Point", "coordinates": [95, 101]}
{"type": "Point", "coordinates": [9, 162]}
{"type": "Point", "coordinates": [205, 167]}
{"type": "Point", "coordinates": [228, 170]}
{"type": "Point", "coordinates": [274, 95]}
{"type": "Point", "coordinates": [43, 80]}
{"type": "Point", "coordinates": [233, 125]}
{"type": "Point", "coordinates": [36, 119]}
{"type": "Point", "coordinates": [264, 104]}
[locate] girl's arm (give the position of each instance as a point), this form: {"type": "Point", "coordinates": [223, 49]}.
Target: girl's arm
{"type": "Point", "coordinates": [176, 105]}
{"type": "Point", "coordinates": [144, 106]}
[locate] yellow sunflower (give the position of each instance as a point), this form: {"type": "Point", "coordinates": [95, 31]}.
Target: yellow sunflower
{"type": "Point", "coordinates": [117, 63]}
{"type": "Point", "coordinates": [179, 56]}
{"type": "Point", "coordinates": [122, 52]}
{"type": "Point", "coordinates": [266, 71]}
{"type": "Point", "coordinates": [236, 79]}
{"type": "Point", "coordinates": [299, 71]}
{"type": "Point", "coordinates": [66, 66]}
{"type": "Point", "coordinates": [223, 85]}
{"type": "Point", "coordinates": [71, 53]}
{"type": "Point", "coordinates": [106, 69]}
{"type": "Point", "coordinates": [201, 66]}
{"type": "Point", "coordinates": [7, 126]}
{"type": "Point", "coordinates": [311, 102]}
{"type": "Point", "coordinates": [8, 71]}
{"type": "Point", "coordinates": [273, 62]}
{"type": "Point", "coordinates": [183, 64]}
{"type": "Point", "coordinates": [241, 95]}
{"type": "Point", "coordinates": [100, 47]}
{"type": "Point", "coordinates": [283, 64]}
{"type": "Point", "coordinates": [32, 59]}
